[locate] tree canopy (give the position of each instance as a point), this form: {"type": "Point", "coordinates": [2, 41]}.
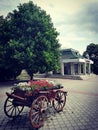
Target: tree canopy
{"type": "Point", "coordinates": [28, 41]}
{"type": "Point", "coordinates": [92, 51]}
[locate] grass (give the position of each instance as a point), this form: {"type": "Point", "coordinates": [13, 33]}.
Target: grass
{"type": "Point", "coordinates": [23, 76]}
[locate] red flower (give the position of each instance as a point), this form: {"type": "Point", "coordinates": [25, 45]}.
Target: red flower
{"type": "Point", "coordinates": [29, 93]}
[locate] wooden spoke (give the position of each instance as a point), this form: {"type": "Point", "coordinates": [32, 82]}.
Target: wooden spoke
{"type": "Point", "coordinates": [9, 105]}
{"type": "Point", "coordinates": [10, 109]}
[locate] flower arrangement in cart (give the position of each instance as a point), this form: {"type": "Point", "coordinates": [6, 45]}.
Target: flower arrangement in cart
{"type": "Point", "coordinates": [31, 86]}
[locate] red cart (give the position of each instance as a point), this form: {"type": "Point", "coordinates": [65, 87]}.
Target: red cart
{"type": "Point", "coordinates": [38, 102]}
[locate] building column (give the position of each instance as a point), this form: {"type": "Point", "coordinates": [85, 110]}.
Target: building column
{"type": "Point", "coordinates": [62, 68]}
{"type": "Point", "coordinates": [72, 68]}
{"type": "Point", "coordinates": [89, 68]}
{"type": "Point", "coordinates": [79, 68]}
{"type": "Point", "coordinates": [84, 69]}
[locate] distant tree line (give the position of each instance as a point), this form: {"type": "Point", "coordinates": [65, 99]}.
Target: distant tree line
{"type": "Point", "coordinates": [28, 40]}
{"type": "Point", "coordinates": [92, 53]}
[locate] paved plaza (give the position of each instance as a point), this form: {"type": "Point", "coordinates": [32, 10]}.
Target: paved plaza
{"type": "Point", "coordinates": [80, 111]}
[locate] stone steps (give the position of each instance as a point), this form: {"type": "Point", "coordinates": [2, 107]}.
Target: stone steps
{"type": "Point", "coordinates": [73, 77]}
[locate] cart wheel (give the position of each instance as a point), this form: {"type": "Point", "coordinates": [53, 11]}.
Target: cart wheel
{"type": "Point", "coordinates": [11, 109]}
{"type": "Point", "coordinates": [59, 101]}
{"type": "Point", "coordinates": [38, 108]}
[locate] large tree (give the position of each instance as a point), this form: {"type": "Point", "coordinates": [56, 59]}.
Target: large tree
{"type": "Point", "coordinates": [33, 39]}
{"type": "Point", "coordinates": [92, 51]}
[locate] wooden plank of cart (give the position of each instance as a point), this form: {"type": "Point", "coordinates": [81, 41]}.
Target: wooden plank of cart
{"type": "Point", "coordinates": [38, 102]}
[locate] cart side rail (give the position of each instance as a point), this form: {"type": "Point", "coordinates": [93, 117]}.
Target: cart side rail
{"type": "Point", "coordinates": [15, 96]}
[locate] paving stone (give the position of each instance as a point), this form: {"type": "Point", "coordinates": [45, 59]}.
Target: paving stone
{"type": "Point", "coordinates": [80, 112]}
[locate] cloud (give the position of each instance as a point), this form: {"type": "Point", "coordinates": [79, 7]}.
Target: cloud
{"type": "Point", "coordinates": [75, 20]}
{"type": "Point", "coordinates": [79, 29]}
{"type": "Point", "coordinates": [87, 18]}
{"type": "Point", "coordinates": [92, 17]}
{"type": "Point", "coordinates": [7, 6]}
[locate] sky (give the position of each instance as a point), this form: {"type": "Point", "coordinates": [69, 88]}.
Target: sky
{"type": "Point", "coordinates": [75, 20]}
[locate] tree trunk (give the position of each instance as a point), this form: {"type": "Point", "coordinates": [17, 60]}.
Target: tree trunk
{"type": "Point", "coordinates": [31, 77]}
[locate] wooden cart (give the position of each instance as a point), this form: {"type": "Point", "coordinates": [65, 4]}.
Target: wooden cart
{"type": "Point", "coordinates": [38, 103]}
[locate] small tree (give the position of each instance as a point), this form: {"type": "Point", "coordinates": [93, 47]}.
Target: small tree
{"type": "Point", "coordinates": [92, 51]}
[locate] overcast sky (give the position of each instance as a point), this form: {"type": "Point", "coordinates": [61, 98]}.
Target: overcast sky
{"type": "Point", "coordinates": [75, 20]}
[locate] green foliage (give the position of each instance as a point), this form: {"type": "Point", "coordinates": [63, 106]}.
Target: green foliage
{"type": "Point", "coordinates": [30, 40]}
{"type": "Point", "coordinates": [92, 51]}
{"type": "Point", "coordinates": [95, 69]}
{"type": "Point", "coordinates": [8, 66]}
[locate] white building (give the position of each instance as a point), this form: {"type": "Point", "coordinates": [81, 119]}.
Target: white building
{"type": "Point", "coordinates": [72, 63]}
